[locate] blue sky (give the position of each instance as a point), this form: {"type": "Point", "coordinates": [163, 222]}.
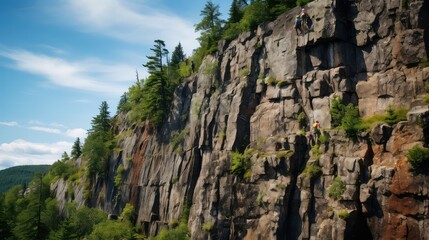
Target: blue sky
{"type": "Point", "coordinates": [59, 59]}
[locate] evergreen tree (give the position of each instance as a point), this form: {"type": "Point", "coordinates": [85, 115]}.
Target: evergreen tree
{"type": "Point", "coordinates": [98, 143]}
{"type": "Point", "coordinates": [156, 92]}
{"type": "Point", "coordinates": [76, 149]}
{"type": "Point", "coordinates": [65, 157]}
{"type": "Point", "coordinates": [122, 105]}
{"type": "Point", "coordinates": [101, 122]}
{"type": "Point", "coordinates": [177, 56]}
{"type": "Point", "coordinates": [210, 27]}
{"type": "Point", "coordinates": [235, 12]}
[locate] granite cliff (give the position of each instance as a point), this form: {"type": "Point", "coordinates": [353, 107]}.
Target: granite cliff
{"type": "Point", "coordinates": [247, 98]}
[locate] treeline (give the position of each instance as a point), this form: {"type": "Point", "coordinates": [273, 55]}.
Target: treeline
{"type": "Point", "coordinates": [32, 213]}
{"type": "Point", "coordinates": [19, 175]}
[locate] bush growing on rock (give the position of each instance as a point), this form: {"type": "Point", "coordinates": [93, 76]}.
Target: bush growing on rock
{"type": "Point", "coordinates": [417, 155]}
{"type": "Point", "coordinates": [343, 214]}
{"type": "Point", "coordinates": [337, 188]}
{"type": "Point", "coordinates": [312, 171]}
{"type": "Point", "coordinates": [241, 164]}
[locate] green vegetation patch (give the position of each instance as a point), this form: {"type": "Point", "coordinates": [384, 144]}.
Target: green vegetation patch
{"type": "Point", "coordinates": [343, 214]}
{"type": "Point", "coordinates": [417, 156]}
{"type": "Point", "coordinates": [312, 171]}
{"type": "Point", "coordinates": [241, 164]}
{"type": "Point", "coordinates": [337, 188]}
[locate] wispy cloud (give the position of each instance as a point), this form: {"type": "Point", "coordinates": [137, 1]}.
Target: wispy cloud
{"type": "Point", "coordinates": [45, 129]}
{"type": "Point", "coordinates": [9, 124]}
{"type": "Point", "coordinates": [132, 22]}
{"type": "Point", "coordinates": [22, 152]}
{"type": "Point", "coordinates": [76, 133]}
{"type": "Point", "coordinates": [71, 133]}
{"type": "Point", "coordinates": [85, 74]}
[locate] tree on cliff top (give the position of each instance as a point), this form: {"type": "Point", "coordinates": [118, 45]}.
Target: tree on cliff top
{"type": "Point", "coordinates": [98, 143]}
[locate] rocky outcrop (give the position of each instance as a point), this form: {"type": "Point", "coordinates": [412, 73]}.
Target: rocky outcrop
{"type": "Point", "coordinates": [247, 98]}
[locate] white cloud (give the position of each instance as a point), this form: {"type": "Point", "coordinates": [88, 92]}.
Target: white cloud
{"type": "Point", "coordinates": [131, 22]}
{"type": "Point", "coordinates": [45, 129]}
{"type": "Point", "coordinates": [84, 74]}
{"type": "Point", "coordinates": [22, 152]}
{"type": "Point", "coordinates": [9, 124]}
{"type": "Point", "coordinates": [76, 133]}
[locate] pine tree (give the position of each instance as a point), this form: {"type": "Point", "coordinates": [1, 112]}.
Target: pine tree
{"type": "Point", "coordinates": [177, 56]}
{"type": "Point", "coordinates": [210, 27]}
{"type": "Point", "coordinates": [156, 88]}
{"type": "Point", "coordinates": [65, 157]}
{"type": "Point", "coordinates": [101, 122]}
{"type": "Point", "coordinates": [76, 149]}
{"type": "Point", "coordinates": [235, 12]}
{"type": "Point", "coordinates": [98, 142]}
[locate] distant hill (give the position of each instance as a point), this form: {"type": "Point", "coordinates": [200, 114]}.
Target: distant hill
{"type": "Point", "coordinates": [10, 177]}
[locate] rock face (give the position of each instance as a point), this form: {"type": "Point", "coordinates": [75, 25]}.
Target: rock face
{"type": "Point", "coordinates": [366, 52]}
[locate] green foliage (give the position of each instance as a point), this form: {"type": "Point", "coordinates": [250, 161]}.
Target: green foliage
{"type": "Point", "coordinates": [417, 156]}
{"type": "Point", "coordinates": [426, 99]}
{"type": "Point", "coordinates": [232, 30]}
{"type": "Point", "coordinates": [312, 171]}
{"type": "Point", "coordinates": [337, 111]}
{"type": "Point", "coordinates": [221, 135]}
{"type": "Point", "coordinates": [244, 72]}
{"type": "Point", "coordinates": [210, 27]}
{"type": "Point", "coordinates": [241, 164]}
{"type": "Point", "coordinates": [177, 138]}
{"type": "Point", "coordinates": [150, 99]}
{"type": "Point", "coordinates": [260, 198]}
{"type": "Point", "coordinates": [394, 116]}
{"type": "Point", "coordinates": [19, 175]}
{"type": "Point", "coordinates": [76, 149]}
{"type": "Point", "coordinates": [122, 105]}
{"type": "Point", "coordinates": [118, 175]}
{"type": "Point", "coordinates": [346, 117]}
{"type": "Point", "coordinates": [370, 122]}
{"type": "Point", "coordinates": [29, 216]}
{"type": "Point", "coordinates": [115, 230]}
{"type": "Point", "coordinates": [323, 139]}
{"type": "Point", "coordinates": [96, 150]}
{"type": "Point", "coordinates": [184, 70]}
{"type": "Point", "coordinates": [302, 120]}
{"type": "Point", "coordinates": [271, 81]}
{"type": "Point", "coordinates": [281, 83]}
{"type": "Point", "coordinates": [351, 121]}
{"type": "Point", "coordinates": [178, 55]}
{"type": "Point", "coordinates": [63, 169]}
{"type": "Point", "coordinates": [208, 226]}
{"type": "Point", "coordinates": [78, 224]}
{"type": "Point", "coordinates": [284, 153]}
{"type": "Point", "coordinates": [343, 214]}
{"type": "Point", "coordinates": [178, 233]}
{"type": "Point", "coordinates": [315, 151]}
{"type": "Point", "coordinates": [337, 188]}
{"type": "Point", "coordinates": [98, 143]}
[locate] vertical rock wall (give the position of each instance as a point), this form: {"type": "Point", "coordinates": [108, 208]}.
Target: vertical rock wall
{"type": "Point", "coordinates": [248, 97]}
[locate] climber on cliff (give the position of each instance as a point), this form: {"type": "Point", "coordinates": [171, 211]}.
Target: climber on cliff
{"type": "Point", "coordinates": [316, 131]}
{"type": "Point", "coordinates": [305, 18]}
{"type": "Point", "coordinates": [298, 24]}
{"type": "Point", "coordinates": [192, 66]}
